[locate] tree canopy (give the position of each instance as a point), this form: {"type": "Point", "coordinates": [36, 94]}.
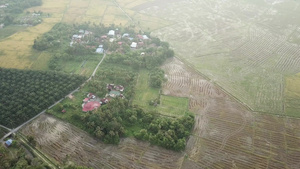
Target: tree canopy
{"type": "Point", "coordinates": [25, 93]}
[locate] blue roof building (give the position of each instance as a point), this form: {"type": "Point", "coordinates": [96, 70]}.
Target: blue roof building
{"type": "Point", "coordinates": [8, 142]}
{"type": "Point", "coordinates": [99, 50]}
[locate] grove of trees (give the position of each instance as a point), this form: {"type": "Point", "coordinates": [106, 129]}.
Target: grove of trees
{"type": "Point", "coordinates": [25, 93]}
{"type": "Point", "coordinates": [111, 121]}
{"type": "Point", "coordinates": [15, 7]}
{"type": "Point", "coordinates": [18, 156]}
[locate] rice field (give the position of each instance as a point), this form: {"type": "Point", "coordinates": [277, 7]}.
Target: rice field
{"type": "Point", "coordinates": [292, 95]}
{"type": "Point", "coordinates": [226, 134]}
{"type": "Point", "coordinates": [245, 48]}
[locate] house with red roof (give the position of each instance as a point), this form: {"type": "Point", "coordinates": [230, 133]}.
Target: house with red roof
{"type": "Point", "coordinates": [90, 106]}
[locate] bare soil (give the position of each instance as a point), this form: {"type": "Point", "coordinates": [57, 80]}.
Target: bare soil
{"type": "Point", "coordinates": [64, 142]}
{"type": "Point", "coordinates": [226, 134]}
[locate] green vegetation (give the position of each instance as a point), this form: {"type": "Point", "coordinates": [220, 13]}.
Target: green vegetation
{"type": "Point", "coordinates": [121, 117]}
{"type": "Point", "coordinates": [15, 157]}
{"type": "Point", "coordinates": [13, 8]}
{"type": "Point", "coordinates": [173, 106]}
{"type": "Point", "coordinates": [9, 30]}
{"type": "Point", "coordinates": [20, 156]}
{"type": "Point", "coordinates": [25, 93]}
{"type": "Point", "coordinates": [2, 132]}
{"type": "Point", "coordinates": [156, 77]}
{"type": "Point", "coordinates": [74, 55]}
{"type": "Point", "coordinates": [144, 93]}
{"type": "Point", "coordinates": [292, 96]}
{"type": "Point", "coordinates": [150, 98]}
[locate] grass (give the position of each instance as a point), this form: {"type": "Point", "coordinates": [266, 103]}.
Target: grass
{"type": "Point", "coordinates": [169, 105]}
{"type": "Point", "coordinates": [10, 30]}
{"type": "Point", "coordinates": [85, 68]}
{"type": "Point", "coordinates": [173, 106]}
{"type": "Point", "coordinates": [41, 61]}
{"type": "Point", "coordinates": [292, 96]}
{"type": "Point", "coordinates": [70, 111]}
{"type": "Point", "coordinates": [144, 94]}
{"type": "Point", "coordinates": [129, 132]}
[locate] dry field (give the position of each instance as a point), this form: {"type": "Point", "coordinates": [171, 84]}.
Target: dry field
{"type": "Point", "coordinates": [245, 47]}
{"type": "Point", "coordinates": [226, 135]}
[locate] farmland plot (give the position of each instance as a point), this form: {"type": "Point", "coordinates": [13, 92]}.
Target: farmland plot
{"type": "Point", "coordinates": [226, 135]}
{"type": "Point", "coordinates": [62, 142]}
{"type": "Point", "coordinates": [246, 48]}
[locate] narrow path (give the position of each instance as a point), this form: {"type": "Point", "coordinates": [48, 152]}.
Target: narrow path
{"type": "Point", "coordinates": [38, 153]}
{"type": "Point", "coordinates": [5, 127]}
{"type": "Point", "coordinates": [16, 129]}
{"type": "Point", "coordinates": [132, 20]}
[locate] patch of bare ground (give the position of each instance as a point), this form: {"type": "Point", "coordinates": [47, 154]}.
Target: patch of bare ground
{"type": "Point", "coordinates": [63, 142]}
{"type": "Point", "coordinates": [227, 135]}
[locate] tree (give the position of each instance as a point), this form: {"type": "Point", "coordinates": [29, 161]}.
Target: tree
{"type": "Point", "coordinates": [31, 141]}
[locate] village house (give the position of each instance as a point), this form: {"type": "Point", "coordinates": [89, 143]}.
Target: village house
{"type": "Point", "coordinates": [92, 102]}
{"type": "Point", "coordinates": [125, 35]}
{"type": "Point", "coordinates": [100, 50]}
{"type": "Point", "coordinates": [81, 31]}
{"type": "Point", "coordinates": [145, 37]}
{"type": "Point", "coordinates": [36, 14]}
{"type": "Point", "coordinates": [133, 45]}
{"type": "Point", "coordinates": [113, 94]}
{"type": "Point", "coordinates": [111, 33]}
{"type": "Point", "coordinates": [8, 142]}
{"type": "Point", "coordinates": [91, 106]}
{"type": "Point", "coordinates": [104, 101]}
{"type": "Point", "coordinates": [103, 37]}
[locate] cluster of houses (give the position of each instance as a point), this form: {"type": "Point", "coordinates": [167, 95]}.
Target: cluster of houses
{"type": "Point", "coordinates": [78, 38]}
{"type": "Point", "coordinates": [135, 41]}
{"type": "Point", "coordinates": [114, 35]}
{"type": "Point", "coordinates": [4, 6]}
{"type": "Point", "coordinates": [92, 102]}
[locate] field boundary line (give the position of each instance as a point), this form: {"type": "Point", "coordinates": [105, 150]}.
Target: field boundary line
{"type": "Point", "coordinates": [104, 14]}
{"type": "Point", "coordinates": [217, 85]}
{"type": "Point", "coordinates": [132, 20]}
{"type": "Point", "coordinates": [37, 152]}
{"type": "Point", "coordinates": [234, 97]}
